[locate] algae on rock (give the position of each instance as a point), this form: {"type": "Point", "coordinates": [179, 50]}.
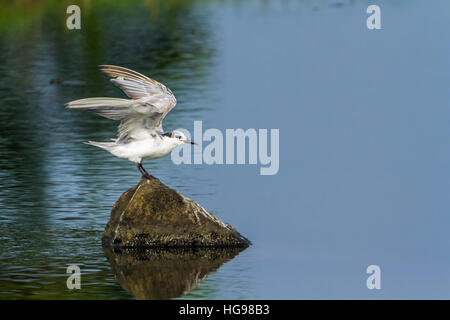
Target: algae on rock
{"type": "Point", "coordinates": [154, 215]}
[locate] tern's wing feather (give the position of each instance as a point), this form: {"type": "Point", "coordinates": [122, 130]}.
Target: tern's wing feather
{"type": "Point", "coordinates": [138, 117]}
{"type": "Point", "coordinates": [138, 86]}
{"type": "Point", "coordinates": [111, 108]}
{"type": "Point", "coordinates": [142, 114]}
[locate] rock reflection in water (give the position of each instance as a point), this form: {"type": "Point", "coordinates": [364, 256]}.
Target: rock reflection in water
{"type": "Point", "coordinates": [165, 273]}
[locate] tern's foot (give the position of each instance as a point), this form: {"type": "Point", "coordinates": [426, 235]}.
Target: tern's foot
{"type": "Point", "coordinates": [146, 175]}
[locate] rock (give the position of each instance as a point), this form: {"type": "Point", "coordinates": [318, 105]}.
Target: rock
{"type": "Point", "coordinates": [165, 273]}
{"type": "Point", "coordinates": [154, 215]}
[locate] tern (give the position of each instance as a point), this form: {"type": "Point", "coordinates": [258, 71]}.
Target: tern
{"type": "Point", "coordinates": [140, 133]}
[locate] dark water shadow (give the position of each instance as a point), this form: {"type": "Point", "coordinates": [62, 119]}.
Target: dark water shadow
{"type": "Point", "coordinates": [165, 273]}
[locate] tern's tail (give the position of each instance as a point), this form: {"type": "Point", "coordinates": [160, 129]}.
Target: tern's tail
{"type": "Point", "coordinates": [104, 145]}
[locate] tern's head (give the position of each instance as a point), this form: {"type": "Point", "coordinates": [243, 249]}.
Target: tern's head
{"type": "Point", "coordinates": [178, 137]}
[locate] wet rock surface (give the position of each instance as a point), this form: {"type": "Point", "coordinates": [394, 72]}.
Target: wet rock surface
{"type": "Point", "coordinates": [154, 215]}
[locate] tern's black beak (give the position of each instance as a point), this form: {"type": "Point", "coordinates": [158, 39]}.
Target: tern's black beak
{"type": "Point", "coordinates": [189, 142]}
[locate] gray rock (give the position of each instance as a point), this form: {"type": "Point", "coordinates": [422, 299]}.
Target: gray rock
{"type": "Point", "coordinates": [154, 215]}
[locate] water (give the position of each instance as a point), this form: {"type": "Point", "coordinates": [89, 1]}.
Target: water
{"type": "Point", "coordinates": [363, 119]}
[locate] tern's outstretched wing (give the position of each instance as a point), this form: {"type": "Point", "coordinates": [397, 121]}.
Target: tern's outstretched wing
{"type": "Point", "coordinates": [138, 119]}
{"type": "Point", "coordinates": [138, 86]}
{"type": "Point", "coordinates": [143, 113]}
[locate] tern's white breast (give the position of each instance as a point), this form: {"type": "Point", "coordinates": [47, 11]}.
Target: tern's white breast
{"type": "Point", "coordinates": [150, 148]}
